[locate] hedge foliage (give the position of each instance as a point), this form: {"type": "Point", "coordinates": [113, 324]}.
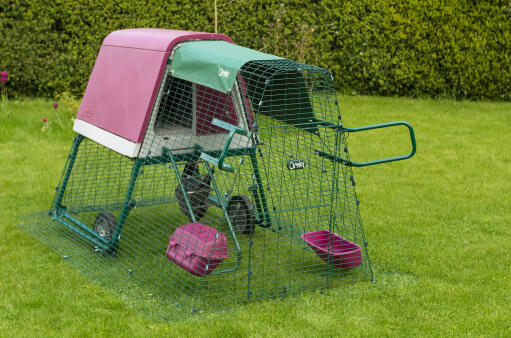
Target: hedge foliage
{"type": "Point", "coordinates": [458, 48]}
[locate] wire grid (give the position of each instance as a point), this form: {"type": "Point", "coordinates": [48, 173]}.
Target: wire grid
{"type": "Point", "coordinates": [194, 238]}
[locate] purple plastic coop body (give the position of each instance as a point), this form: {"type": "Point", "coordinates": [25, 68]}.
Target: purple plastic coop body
{"type": "Point", "coordinates": [118, 101]}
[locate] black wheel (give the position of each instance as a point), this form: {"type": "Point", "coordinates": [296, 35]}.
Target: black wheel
{"type": "Point", "coordinates": [241, 213]}
{"type": "Point", "coordinates": [105, 225]}
{"type": "Point", "coordinates": [198, 196]}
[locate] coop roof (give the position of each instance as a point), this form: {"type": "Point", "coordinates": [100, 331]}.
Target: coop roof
{"type": "Point", "coordinates": [213, 64]}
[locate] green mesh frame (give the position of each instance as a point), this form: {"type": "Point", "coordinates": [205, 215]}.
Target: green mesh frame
{"type": "Point", "coordinates": [112, 216]}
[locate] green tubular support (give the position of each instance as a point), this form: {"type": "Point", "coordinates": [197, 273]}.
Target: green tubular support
{"type": "Point", "coordinates": [83, 230]}
{"type": "Point", "coordinates": [187, 158]}
{"type": "Point", "coordinates": [72, 157]}
{"type": "Point", "coordinates": [231, 229]}
{"type": "Point", "coordinates": [59, 212]}
{"type": "Point", "coordinates": [220, 161]}
{"type": "Point", "coordinates": [62, 216]}
{"type": "Point", "coordinates": [127, 205]}
{"type": "Point", "coordinates": [260, 192]}
{"type": "Point", "coordinates": [185, 194]}
{"type": "Point", "coordinates": [332, 158]}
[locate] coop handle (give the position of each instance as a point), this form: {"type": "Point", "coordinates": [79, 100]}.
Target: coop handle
{"type": "Point", "coordinates": [388, 159]}
{"type": "Point", "coordinates": [379, 161]}
{"type": "Point", "coordinates": [220, 162]}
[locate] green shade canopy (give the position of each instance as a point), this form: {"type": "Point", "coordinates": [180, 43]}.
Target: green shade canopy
{"type": "Point", "coordinates": [213, 64]}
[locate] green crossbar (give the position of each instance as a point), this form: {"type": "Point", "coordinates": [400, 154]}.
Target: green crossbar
{"type": "Point", "coordinates": [220, 161]}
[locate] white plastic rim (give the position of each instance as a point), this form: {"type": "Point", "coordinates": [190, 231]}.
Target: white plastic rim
{"type": "Point", "coordinates": [116, 143]}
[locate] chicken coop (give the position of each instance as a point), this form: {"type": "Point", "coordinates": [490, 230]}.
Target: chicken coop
{"type": "Point", "coordinates": [204, 174]}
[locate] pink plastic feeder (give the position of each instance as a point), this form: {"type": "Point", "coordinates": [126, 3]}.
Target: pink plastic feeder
{"type": "Point", "coordinates": [197, 248]}
{"type": "Point", "coordinates": [333, 249]}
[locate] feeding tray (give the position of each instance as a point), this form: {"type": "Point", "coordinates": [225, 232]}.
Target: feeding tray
{"type": "Point", "coordinates": [197, 248]}
{"type": "Point", "coordinates": [334, 249]}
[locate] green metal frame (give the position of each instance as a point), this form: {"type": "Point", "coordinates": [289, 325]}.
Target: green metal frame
{"type": "Point", "coordinates": [59, 211]}
{"type": "Point", "coordinates": [279, 112]}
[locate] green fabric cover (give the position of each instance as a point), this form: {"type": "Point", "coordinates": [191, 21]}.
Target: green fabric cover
{"type": "Point", "coordinates": [213, 64]}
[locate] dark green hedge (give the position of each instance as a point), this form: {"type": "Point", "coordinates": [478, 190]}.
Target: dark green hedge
{"type": "Point", "coordinates": [456, 48]}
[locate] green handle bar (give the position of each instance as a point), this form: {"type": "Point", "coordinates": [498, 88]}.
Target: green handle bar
{"type": "Point", "coordinates": [232, 130]}
{"type": "Point", "coordinates": [388, 159]}
{"type": "Point", "coordinates": [383, 160]}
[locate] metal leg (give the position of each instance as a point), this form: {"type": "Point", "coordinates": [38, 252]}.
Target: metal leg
{"type": "Point", "coordinates": [261, 203]}
{"type": "Point", "coordinates": [59, 212]}
{"type": "Point", "coordinates": [333, 195]}
{"type": "Point", "coordinates": [233, 233]}
{"type": "Point", "coordinates": [127, 206]}
{"type": "Point", "coordinates": [185, 194]}
{"type": "Point", "coordinates": [57, 203]}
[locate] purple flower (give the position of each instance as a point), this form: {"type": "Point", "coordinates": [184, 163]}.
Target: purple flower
{"type": "Point", "coordinates": [55, 105]}
{"type": "Point", "coordinates": [3, 76]}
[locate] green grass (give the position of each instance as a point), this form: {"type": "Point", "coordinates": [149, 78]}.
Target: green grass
{"type": "Point", "coordinates": [439, 228]}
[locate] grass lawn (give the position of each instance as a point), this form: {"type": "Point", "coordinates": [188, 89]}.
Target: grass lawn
{"type": "Point", "coordinates": [438, 227]}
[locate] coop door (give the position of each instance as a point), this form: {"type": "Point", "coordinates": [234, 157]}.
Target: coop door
{"type": "Point", "coordinates": [209, 104]}
{"type": "Point", "coordinates": [300, 188]}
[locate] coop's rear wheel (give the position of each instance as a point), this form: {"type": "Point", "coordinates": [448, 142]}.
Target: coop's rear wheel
{"type": "Point", "coordinates": [199, 199]}
{"type": "Point", "coordinates": [241, 213]}
{"type": "Point", "coordinates": [105, 225]}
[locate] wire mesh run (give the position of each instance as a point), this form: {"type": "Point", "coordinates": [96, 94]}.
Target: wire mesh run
{"type": "Point", "coordinates": [227, 202]}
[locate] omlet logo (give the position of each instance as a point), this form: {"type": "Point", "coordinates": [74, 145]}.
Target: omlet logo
{"type": "Point", "coordinates": [296, 164]}
{"type": "Point", "coordinates": [223, 73]}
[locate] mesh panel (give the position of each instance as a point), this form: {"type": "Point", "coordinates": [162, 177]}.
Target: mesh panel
{"type": "Point", "coordinates": [228, 200]}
